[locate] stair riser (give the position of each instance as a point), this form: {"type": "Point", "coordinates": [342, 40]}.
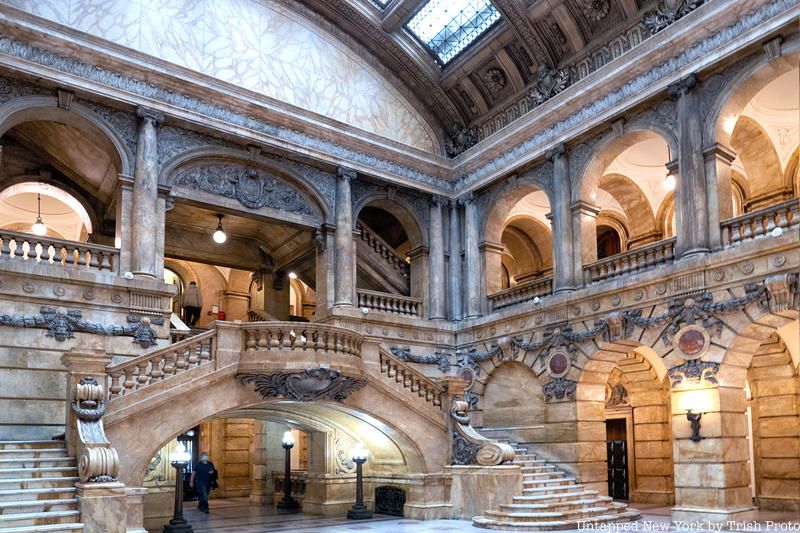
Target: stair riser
{"type": "Point", "coordinates": [32, 454]}
{"type": "Point", "coordinates": [541, 483]}
{"type": "Point", "coordinates": [54, 462]}
{"type": "Point", "coordinates": [46, 520]}
{"type": "Point", "coordinates": [573, 516]}
{"type": "Point", "coordinates": [15, 496]}
{"type": "Point", "coordinates": [33, 483]}
{"type": "Point", "coordinates": [32, 445]}
{"type": "Point", "coordinates": [43, 506]}
{"type": "Point", "coordinates": [34, 473]}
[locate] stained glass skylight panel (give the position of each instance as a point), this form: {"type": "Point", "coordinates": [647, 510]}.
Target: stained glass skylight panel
{"type": "Point", "coordinates": [448, 26]}
{"type": "Point", "coordinates": [380, 3]}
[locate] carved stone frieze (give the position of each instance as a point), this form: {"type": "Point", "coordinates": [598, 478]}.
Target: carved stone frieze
{"type": "Point", "coordinates": [549, 82]}
{"type": "Point", "coordinates": [310, 385]}
{"type": "Point", "coordinates": [251, 187]}
{"type": "Point", "coordinates": [440, 359]}
{"type": "Point", "coordinates": [460, 140]}
{"type": "Point", "coordinates": [61, 324]}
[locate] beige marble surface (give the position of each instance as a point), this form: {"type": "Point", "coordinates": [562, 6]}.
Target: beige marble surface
{"type": "Point", "coordinates": [259, 46]}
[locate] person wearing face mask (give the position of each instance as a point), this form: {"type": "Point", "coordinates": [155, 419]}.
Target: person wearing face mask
{"type": "Point", "coordinates": [204, 475]}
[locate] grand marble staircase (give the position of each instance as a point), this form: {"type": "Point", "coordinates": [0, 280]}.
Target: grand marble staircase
{"type": "Point", "coordinates": [551, 500]}
{"type": "Point", "coordinates": [37, 492]}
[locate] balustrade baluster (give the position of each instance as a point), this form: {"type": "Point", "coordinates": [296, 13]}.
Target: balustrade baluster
{"type": "Point", "coordinates": [155, 368]}
{"type": "Point", "coordinates": [169, 363]}
{"type": "Point", "coordinates": [129, 382]}
{"type": "Point", "coordinates": [116, 386]}
{"type": "Point", "coordinates": [180, 363]}
{"type": "Point", "coordinates": [141, 374]}
{"type": "Point", "coordinates": [205, 351]}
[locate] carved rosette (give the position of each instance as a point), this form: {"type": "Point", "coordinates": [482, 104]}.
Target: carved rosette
{"type": "Point", "coordinates": [98, 461]}
{"type": "Point", "coordinates": [469, 446]}
{"type": "Point", "coordinates": [315, 384]}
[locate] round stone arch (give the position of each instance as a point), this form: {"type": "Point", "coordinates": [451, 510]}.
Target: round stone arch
{"type": "Point", "coordinates": [532, 232]}
{"type": "Point", "coordinates": [45, 108]}
{"type": "Point", "coordinates": [399, 208]}
{"type": "Point", "coordinates": [218, 156]}
{"type": "Point", "coordinates": [587, 178]}
{"type": "Point", "coordinates": [634, 203]}
{"type": "Point", "coordinates": [512, 403]}
{"type": "Point", "coordinates": [739, 90]}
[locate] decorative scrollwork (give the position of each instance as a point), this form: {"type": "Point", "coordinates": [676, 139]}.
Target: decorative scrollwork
{"type": "Point", "coordinates": [559, 388]}
{"type": "Point", "coordinates": [667, 12]}
{"type": "Point", "coordinates": [464, 452]}
{"type": "Point", "coordinates": [344, 464]}
{"type": "Point", "coordinates": [61, 324]}
{"type": "Point", "coordinates": [98, 461]}
{"type": "Point", "coordinates": [469, 446]}
{"type": "Point", "coordinates": [440, 359]}
{"type": "Point", "coordinates": [695, 371]}
{"type": "Point", "coordinates": [310, 385]}
{"type": "Point", "coordinates": [549, 82]}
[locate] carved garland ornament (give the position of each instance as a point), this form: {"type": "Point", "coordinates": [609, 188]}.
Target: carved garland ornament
{"type": "Point", "coordinates": [310, 385]}
{"type": "Point", "coordinates": [61, 324]}
{"type": "Point", "coordinates": [98, 461]}
{"type": "Point", "coordinates": [438, 358]}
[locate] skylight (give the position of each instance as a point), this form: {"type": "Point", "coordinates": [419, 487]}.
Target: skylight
{"type": "Point", "coordinates": [381, 3]}
{"type": "Point", "coordinates": [449, 26]}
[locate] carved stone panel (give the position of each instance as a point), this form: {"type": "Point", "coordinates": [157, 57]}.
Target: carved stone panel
{"type": "Point", "coordinates": [310, 385]}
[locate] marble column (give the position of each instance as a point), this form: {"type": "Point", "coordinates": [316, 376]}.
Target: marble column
{"type": "Point", "coordinates": [437, 307]}
{"type": "Point", "coordinates": [492, 263]}
{"type": "Point", "coordinates": [584, 227]}
{"type": "Point", "coordinates": [691, 192]}
{"type": "Point", "coordinates": [455, 271]}
{"type": "Point", "coordinates": [145, 195]}
{"type": "Point", "coordinates": [561, 222]}
{"type": "Point", "coordinates": [718, 161]}
{"type": "Point", "coordinates": [471, 257]}
{"type": "Point", "coordinates": [325, 267]}
{"type": "Point", "coordinates": [345, 250]}
{"type": "Point", "coordinates": [420, 274]}
{"type": "Point", "coordinates": [123, 222]}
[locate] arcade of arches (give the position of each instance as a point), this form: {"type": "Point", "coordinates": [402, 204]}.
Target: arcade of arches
{"type": "Point", "coordinates": [544, 265]}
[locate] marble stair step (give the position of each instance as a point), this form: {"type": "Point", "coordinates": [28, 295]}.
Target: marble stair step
{"type": "Point", "coordinates": [31, 444]}
{"type": "Point", "coordinates": [45, 493]}
{"type": "Point", "coordinates": [38, 506]}
{"type": "Point", "coordinates": [547, 474]}
{"type": "Point", "coordinates": [37, 483]}
{"type": "Point", "coordinates": [539, 516]}
{"type": "Point", "coordinates": [22, 453]}
{"type": "Point", "coordinates": [555, 506]}
{"type": "Point", "coordinates": [72, 527]}
{"type": "Point", "coordinates": [549, 525]}
{"type": "Point", "coordinates": [551, 497]}
{"type": "Point", "coordinates": [537, 468]}
{"type": "Point", "coordinates": [548, 481]}
{"type": "Point", "coordinates": [37, 462]}
{"type": "Point", "coordinates": [38, 472]}
{"type": "Point", "coordinates": [39, 519]}
{"type": "Point", "coordinates": [552, 489]}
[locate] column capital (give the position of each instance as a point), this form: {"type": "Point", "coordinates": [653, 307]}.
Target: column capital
{"type": "Point", "coordinates": [584, 208]}
{"type": "Point", "coordinates": [682, 87]}
{"type": "Point", "coordinates": [417, 252]}
{"type": "Point", "coordinates": [453, 204]}
{"type": "Point", "coordinates": [491, 247]}
{"type": "Point", "coordinates": [125, 181]}
{"type": "Point", "coordinates": [466, 198]}
{"type": "Point", "coordinates": [556, 152]}
{"type": "Point", "coordinates": [345, 173]}
{"type": "Point", "coordinates": [673, 166]}
{"type": "Point", "coordinates": [438, 200]}
{"type": "Point", "coordinates": [152, 116]}
{"type": "Point", "coordinates": [720, 151]}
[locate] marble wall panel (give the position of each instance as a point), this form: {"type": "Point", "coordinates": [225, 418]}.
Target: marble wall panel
{"type": "Point", "coordinates": [260, 46]}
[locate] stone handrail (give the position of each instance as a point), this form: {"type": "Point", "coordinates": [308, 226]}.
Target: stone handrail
{"type": "Point", "coordinates": [383, 249]}
{"type": "Point", "coordinates": [760, 223]}
{"type": "Point", "coordinates": [411, 379]}
{"type": "Point", "coordinates": [16, 246]}
{"type": "Point", "coordinates": [259, 315]}
{"type": "Point", "coordinates": [636, 260]}
{"type": "Point", "coordinates": [469, 446]}
{"type": "Point", "coordinates": [137, 373]}
{"type": "Point", "coordinates": [389, 303]}
{"type": "Point", "coordinates": [523, 292]}
{"type": "Point", "coordinates": [289, 336]}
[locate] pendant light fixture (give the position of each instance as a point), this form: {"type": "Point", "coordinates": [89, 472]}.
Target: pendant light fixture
{"type": "Point", "coordinates": [219, 235]}
{"type": "Point", "coordinates": [38, 227]}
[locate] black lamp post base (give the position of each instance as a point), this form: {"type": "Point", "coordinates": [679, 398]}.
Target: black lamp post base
{"type": "Point", "coordinates": [178, 526]}
{"type": "Point", "coordinates": [288, 506]}
{"type": "Point", "coordinates": [359, 514]}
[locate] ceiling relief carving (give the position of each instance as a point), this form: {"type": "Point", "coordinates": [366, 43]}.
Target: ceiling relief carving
{"type": "Point", "coordinates": [251, 187]}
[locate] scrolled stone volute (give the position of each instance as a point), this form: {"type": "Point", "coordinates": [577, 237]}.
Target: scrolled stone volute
{"type": "Point", "coordinates": [98, 465]}
{"type": "Point", "coordinates": [98, 461]}
{"type": "Point", "coordinates": [488, 452]}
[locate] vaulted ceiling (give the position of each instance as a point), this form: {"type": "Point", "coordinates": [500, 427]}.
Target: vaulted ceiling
{"type": "Point", "coordinates": [531, 40]}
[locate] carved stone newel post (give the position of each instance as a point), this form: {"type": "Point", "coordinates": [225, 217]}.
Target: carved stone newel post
{"type": "Point", "coordinates": [146, 223]}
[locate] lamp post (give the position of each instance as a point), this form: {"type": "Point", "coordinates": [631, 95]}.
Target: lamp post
{"type": "Point", "coordinates": [178, 524]}
{"type": "Point", "coordinates": [288, 504]}
{"type": "Point", "coordinates": [359, 511]}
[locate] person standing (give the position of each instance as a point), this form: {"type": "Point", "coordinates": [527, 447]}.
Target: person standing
{"type": "Point", "coordinates": [192, 303]}
{"type": "Point", "coordinates": [204, 475]}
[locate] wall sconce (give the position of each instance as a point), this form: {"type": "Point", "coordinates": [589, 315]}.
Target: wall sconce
{"type": "Point", "coordinates": [694, 412]}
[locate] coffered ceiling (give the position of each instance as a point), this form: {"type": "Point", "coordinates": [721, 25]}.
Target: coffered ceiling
{"type": "Point", "coordinates": [526, 45]}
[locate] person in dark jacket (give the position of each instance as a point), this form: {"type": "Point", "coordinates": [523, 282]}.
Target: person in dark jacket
{"type": "Point", "coordinates": [192, 303]}
{"type": "Point", "coordinates": [204, 476]}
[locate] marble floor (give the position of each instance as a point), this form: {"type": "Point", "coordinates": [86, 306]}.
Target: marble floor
{"type": "Point", "coordinates": [237, 515]}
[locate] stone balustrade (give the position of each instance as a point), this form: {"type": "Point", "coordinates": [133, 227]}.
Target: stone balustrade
{"type": "Point", "coordinates": [636, 260]}
{"type": "Point", "coordinates": [259, 315]}
{"type": "Point", "coordinates": [16, 246]}
{"type": "Point", "coordinates": [411, 379]}
{"type": "Point", "coordinates": [397, 261]}
{"type": "Point", "coordinates": [389, 303]}
{"type": "Point", "coordinates": [761, 223]}
{"type": "Point", "coordinates": [140, 372]}
{"type": "Point", "coordinates": [524, 292]}
{"type": "Point", "coordinates": [300, 336]}
{"type": "Point", "coordinates": [298, 482]}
